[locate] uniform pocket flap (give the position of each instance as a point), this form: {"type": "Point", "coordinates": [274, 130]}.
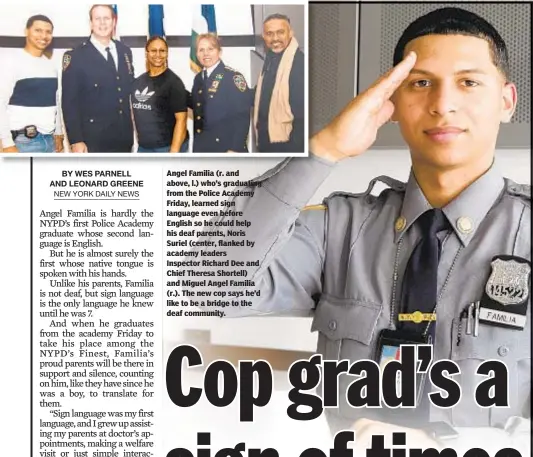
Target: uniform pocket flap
{"type": "Point", "coordinates": [352, 319]}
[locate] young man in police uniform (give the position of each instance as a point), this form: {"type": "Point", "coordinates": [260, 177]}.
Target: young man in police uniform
{"type": "Point", "coordinates": [96, 86]}
{"type": "Point", "coordinates": [356, 260]}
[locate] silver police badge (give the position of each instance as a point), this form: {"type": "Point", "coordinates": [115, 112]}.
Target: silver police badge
{"type": "Point", "coordinates": [508, 282]}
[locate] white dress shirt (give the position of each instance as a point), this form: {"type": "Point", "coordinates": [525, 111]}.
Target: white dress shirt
{"type": "Point", "coordinates": [101, 49]}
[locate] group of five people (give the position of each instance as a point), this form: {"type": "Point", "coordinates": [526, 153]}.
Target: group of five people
{"type": "Point", "coordinates": [103, 104]}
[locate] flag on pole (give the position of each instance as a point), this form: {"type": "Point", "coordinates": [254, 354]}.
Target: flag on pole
{"type": "Point", "coordinates": [155, 21]}
{"type": "Point", "coordinates": [203, 21]}
{"type": "Point", "coordinates": [115, 33]}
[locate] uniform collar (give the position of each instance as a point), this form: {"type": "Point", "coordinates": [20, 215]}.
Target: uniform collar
{"type": "Point", "coordinates": [212, 68]}
{"type": "Point", "coordinates": [465, 213]}
{"type": "Point", "coordinates": [100, 46]}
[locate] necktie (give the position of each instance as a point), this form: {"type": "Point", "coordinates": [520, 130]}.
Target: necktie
{"type": "Point", "coordinates": [205, 77]}
{"type": "Point", "coordinates": [110, 59]}
{"type": "Point", "coordinates": [419, 291]}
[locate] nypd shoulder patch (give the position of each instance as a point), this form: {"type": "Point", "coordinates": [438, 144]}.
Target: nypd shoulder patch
{"type": "Point", "coordinates": [66, 60]}
{"type": "Point", "coordinates": [240, 82]}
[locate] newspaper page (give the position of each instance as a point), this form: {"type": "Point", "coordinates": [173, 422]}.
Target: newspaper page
{"type": "Point", "coordinates": [269, 230]}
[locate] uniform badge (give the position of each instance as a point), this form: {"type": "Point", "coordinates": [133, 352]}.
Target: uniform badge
{"type": "Point", "coordinates": [508, 282]}
{"type": "Point", "coordinates": [31, 131]}
{"type": "Point", "coordinates": [66, 61]}
{"type": "Point", "coordinates": [505, 299]}
{"type": "Point", "coordinates": [214, 86]}
{"type": "Point", "coordinates": [219, 76]}
{"type": "Point", "coordinates": [240, 82]}
{"type": "Point", "coordinates": [128, 63]}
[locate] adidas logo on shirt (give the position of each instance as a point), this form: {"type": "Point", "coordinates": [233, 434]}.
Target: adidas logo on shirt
{"type": "Point", "coordinates": [143, 96]}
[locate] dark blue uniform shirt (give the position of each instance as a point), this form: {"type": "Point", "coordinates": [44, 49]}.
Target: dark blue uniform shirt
{"type": "Point", "coordinates": [96, 98]}
{"type": "Point", "coordinates": [221, 107]}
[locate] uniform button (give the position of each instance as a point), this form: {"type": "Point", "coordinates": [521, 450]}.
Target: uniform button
{"type": "Point", "coordinates": [96, 85]}
{"type": "Point", "coordinates": [332, 325]}
{"type": "Point", "coordinates": [210, 96]}
{"type": "Point", "coordinates": [91, 120]}
{"type": "Point", "coordinates": [120, 100]}
{"type": "Point", "coordinates": [217, 139]}
{"type": "Point", "coordinates": [400, 224]}
{"type": "Point", "coordinates": [503, 351]}
{"type": "Point", "coordinates": [119, 89]}
{"type": "Point", "coordinates": [200, 91]}
{"type": "Point", "coordinates": [465, 224]}
{"type": "Point", "coordinates": [198, 104]}
{"type": "Point", "coordinates": [118, 77]}
{"type": "Point", "coordinates": [198, 131]}
{"type": "Point", "coordinates": [198, 117]}
{"type": "Point", "coordinates": [119, 111]}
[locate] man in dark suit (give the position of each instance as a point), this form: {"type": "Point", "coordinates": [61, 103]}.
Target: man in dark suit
{"type": "Point", "coordinates": [96, 86]}
{"type": "Point", "coordinates": [279, 107]}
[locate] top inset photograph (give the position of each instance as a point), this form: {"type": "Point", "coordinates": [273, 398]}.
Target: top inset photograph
{"type": "Point", "coordinates": [144, 79]}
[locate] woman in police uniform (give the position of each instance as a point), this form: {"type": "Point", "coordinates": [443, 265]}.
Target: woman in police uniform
{"type": "Point", "coordinates": [221, 102]}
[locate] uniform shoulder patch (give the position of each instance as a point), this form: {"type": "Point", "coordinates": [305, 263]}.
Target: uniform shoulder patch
{"type": "Point", "coordinates": [520, 190]}
{"type": "Point", "coordinates": [66, 60]}
{"type": "Point", "coordinates": [315, 207]}
{"type": "Point", "coordinates": [240, 82]}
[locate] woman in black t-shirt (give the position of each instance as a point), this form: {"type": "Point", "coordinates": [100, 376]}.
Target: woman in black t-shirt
{"type": "Point", "coordinates": [159, 101]}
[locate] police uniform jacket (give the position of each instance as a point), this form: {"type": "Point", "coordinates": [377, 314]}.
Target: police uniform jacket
{"type": "Point", "coordinates": [96, 99]}
{"type": "Point", "coordinates": [343, 263]}
{"type": "Point", "coordinates": [221, 107]}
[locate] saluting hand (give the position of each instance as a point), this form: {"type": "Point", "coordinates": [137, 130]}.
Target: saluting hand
{"type": "Point", "coordinates": [355, 128]}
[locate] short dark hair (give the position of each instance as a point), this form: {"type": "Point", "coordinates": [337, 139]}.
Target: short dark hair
{"type": "Point", "coordinates": [277, 16]}
{"type": "Point", "coordinates": [107, 6]}
{"type": "Point", "coordinates": [456, 21]}
{"type": "Point", "coordinates": [38, 17]}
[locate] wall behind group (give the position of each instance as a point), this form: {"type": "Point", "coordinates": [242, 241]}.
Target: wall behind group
{"type": "Point", "coordinates": [72, 20]}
